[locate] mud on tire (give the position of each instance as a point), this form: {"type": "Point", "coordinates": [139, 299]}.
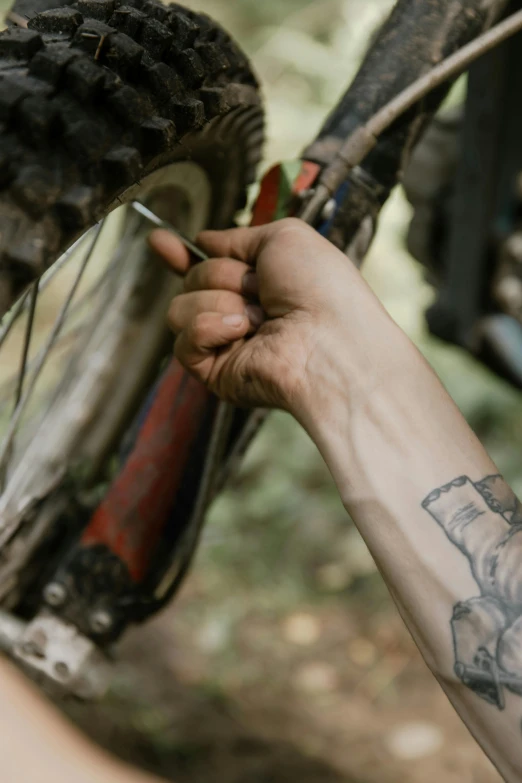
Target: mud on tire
{"type": "Point", "coordinates": [96, 95]}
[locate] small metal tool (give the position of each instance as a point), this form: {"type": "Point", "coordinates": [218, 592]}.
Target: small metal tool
{"type": "Point", "coordinates": [157, 221]}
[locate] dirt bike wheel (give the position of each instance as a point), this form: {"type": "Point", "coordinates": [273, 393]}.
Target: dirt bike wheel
{"type": "Point", "coordinates": [103, 103]}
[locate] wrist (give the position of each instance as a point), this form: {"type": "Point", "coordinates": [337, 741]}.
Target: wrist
{"type": "Point", "coordinates": [390, 429]}
{"type": "Point", "coordinates": [366, 408]}
{"type": "Point", "coordinates": [344, 373]}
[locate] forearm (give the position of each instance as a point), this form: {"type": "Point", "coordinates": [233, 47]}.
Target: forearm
{"type": "Point", "coordinates": [394, 440]}
{"type": "Point", "coordinates": [329, 353]}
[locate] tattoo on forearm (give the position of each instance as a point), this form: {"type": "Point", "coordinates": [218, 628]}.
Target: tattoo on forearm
{"type": "Point", "coordinates": [484, 520]}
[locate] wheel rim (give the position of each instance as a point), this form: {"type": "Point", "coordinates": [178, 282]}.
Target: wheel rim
{"type": "Point", "coordinates": [120, 344]}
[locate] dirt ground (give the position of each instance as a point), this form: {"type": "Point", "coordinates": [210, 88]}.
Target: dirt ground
{"type": "Point", "coordinates": [330, 693]}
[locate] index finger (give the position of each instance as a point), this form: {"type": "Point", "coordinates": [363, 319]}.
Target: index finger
{"type": "Point", "coordinates": [172, 249]}
{"type": "Point", "coordinates": [240, 244]}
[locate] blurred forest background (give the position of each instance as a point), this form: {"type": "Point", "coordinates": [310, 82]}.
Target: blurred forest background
{"type": "Point", "coordinates": [285, 658]}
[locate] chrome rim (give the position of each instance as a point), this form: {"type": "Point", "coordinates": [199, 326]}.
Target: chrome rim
{"type": "Point", "coordinates": [109, 324]}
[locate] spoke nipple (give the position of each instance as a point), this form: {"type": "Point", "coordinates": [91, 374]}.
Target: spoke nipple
{"type": "Point", "coordinates": [101, 621]}
{"type": "Point", "coordinates": [55, 594]}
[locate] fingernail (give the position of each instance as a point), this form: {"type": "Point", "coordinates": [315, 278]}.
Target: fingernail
{"type": "Point", "coordinates": [250, 284]}
{"type": "Point", "coordinates": [256, 315]}
{"type": "Point", "coordinates": [233, 320]}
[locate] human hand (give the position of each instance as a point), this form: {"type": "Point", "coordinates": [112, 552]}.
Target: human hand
{"type": "Point", "coordinates": [274, 307]}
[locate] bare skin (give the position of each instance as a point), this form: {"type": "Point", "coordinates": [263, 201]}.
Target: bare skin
{"type": "Point", "coordinates": [270, 306]}
{"type": "Point", "coordinates": [280, 318]}
{"type": "Point", "coordinates": [37, 744]}
{"type": "Point", "coordinates": [441, 524]}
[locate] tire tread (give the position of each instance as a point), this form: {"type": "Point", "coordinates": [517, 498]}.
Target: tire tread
{"type": "Point", "coordinates": [93, 93]}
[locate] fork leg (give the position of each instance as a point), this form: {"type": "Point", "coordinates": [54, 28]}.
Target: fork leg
{"type": "Point", "coordinates": [131, 537]}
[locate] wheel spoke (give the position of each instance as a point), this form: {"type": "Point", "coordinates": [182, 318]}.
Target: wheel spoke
{"type": "Point", "coordinates": [145, 212]}
{"type": "Point", "coordinates": [32, 298]}
{"type": "Point", "coordinates": [6, 446]}
{"type": "Point", "coordinates": [27, 342]}
{"type": "Point", "coordinates": [14, 315]}
{"type": "Point", "coordinates": [24, 302]}
{"type": "Point", "coordinates": [8, 384]}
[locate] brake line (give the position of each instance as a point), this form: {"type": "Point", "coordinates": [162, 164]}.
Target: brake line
{"type": "Point", "coordinates": [364, 138]}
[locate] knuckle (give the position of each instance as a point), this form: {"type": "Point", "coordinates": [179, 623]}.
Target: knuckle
{"type": "Point", "coordinates": [199, 328]}
{"type": "Point", "coordinates": [224, 301]}
{"type": "Point", "coordinates": [293, 224]}
{"type": "Point", "coordinates": [200, 276]}
{"type": "Point", "coordinates": [218, 274]}
{"type": "Point", "coordinates": [212, 274]}
{"type": "Point", "coordinates": [209, 275]}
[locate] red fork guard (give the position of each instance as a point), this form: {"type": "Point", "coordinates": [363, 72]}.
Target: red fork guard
{"type": "Point", "coordinates": [133, 515]}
